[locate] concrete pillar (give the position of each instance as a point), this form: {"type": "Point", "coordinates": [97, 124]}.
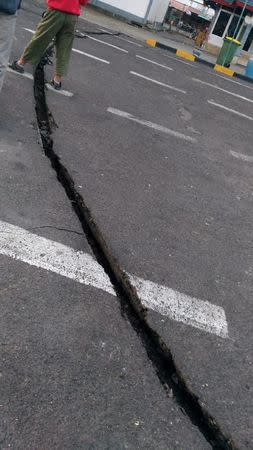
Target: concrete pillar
{"type": "Point", "coordinates": [158, 12]}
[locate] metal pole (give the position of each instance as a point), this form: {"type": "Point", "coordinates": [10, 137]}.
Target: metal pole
{"type": "Point", "coordinates": [239, 20]}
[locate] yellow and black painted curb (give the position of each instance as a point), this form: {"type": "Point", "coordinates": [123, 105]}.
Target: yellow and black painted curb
{"type": "Point", "coordinates": [190, 57]}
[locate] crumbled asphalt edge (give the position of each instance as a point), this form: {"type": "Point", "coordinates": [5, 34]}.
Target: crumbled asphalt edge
{"type": "Point", "coordinates": [160, 355]}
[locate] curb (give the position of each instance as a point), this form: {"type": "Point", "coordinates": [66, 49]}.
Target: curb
{"type": "Point", "coordinates": [190, 57]}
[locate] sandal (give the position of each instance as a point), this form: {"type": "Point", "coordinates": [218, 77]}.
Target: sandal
{"type": "Point", "coordinates": [56, 85]}
{"type": "Point", "coordinates": [17, 67]}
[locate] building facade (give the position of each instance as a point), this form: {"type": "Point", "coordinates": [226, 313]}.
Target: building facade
{"type": "Point", "coordinates": [153, 12]}
{"type": "Point", "coordinates": [141, 11]}
{"type": "Point", "coordinates": [233, 19]}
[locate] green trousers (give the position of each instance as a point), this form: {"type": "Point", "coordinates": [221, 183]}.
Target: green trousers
{"type": "Point", "coordinates": [58, 25]}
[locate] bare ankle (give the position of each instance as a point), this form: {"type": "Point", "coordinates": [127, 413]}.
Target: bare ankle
{"type": "Point", "coordinates": [57, 78]}
{"type": "Point", "coordinates": [21, 61]}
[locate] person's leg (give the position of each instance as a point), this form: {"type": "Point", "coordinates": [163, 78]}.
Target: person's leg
{"type": "Point", "coordinates": [47, 29]}
{"type": "Point", "coordinates": [7, 30]}
{"type": "Point", "coordinates": [63, 43]}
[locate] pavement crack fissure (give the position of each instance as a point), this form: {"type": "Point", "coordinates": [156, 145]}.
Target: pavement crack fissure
{"type": "Point", "coordinates": [41, 227]}
{"type": "Point", "coordinates": [158, 352]}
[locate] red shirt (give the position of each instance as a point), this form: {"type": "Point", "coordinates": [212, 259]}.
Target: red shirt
{"type": "Point", "coordinates": [67, 6]}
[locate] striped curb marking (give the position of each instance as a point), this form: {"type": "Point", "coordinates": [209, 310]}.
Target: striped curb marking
{"type": "Point", "coordinates": [190, 57]}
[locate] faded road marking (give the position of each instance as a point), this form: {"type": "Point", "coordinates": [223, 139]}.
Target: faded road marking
{"type": "Point", "coordinates": [61, 91]}
{"type": "Point", "coordinates": [29, 76]}
{"type": "Point", "coordinates": [233, 111]}
{"type": "Point", "coordinates": [130, 42]}
{"type": "Point", "coordinates": [154, 126]}
{"type": "Point", "coordinates": [120, 37]}
{"type": "Point", "coordinates": [157, 82]}
{"type": "Point", "coordinates": [29, 30]}
{"type": "Point", "coordinates": [182, 62]}
{"type": "Point", "coordinates": [233, 81]}
{"type": "Point", "coordinates": [37, 251]}
{"type": "Point", "coordinates": [80, 52]}
{"type": "Point", "coordinates": [106, 43]}
{"type": "Point", "coordinates": [154, 62]}
{"type": "Point", "coordinates": [222, 90]}
{"type": "Point", "coordinates": [241, 156]}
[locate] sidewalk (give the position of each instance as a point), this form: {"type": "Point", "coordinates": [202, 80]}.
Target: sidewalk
{"type": "Point", "coordinates": [171, 39]}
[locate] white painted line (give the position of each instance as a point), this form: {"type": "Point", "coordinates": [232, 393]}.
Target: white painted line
{"type": "Point", "coordinates": [75, 50]}
{"type": "Point", "coordinates": [40, 252]}
{"type": "Point", "coordinates": [30, 77]}
{"type": "Point", "coordinates": [241, 156]}
{"type": "Point", "coordinates": [157, 82]}
{"type": "Point", "coordinates": [61, 91]}
{"type": "Point", "coordinates": [233, 111]}
{"type": "Point", "coordinates": [130, 42]}
{"type": "Point", "coordinates": [180, 61]}
{"type": "Point", "coordinates": [232, 81]}
{"type": "Point", "coordinates": [182, 308]}
{"type": "Point", "coordinates": [24, 75]}
{"type": "Point", "coordinates": [106, 43]}
{"type": "Point", "coordinates": [29, 30]}
{"type": "Point", "coordinates": [222, 90]}
{"type": "Point", "coordinates": [154, 62]}
{"type": "Point", "coordinates": [152, 125]}
{"type": "Point", "coordinates": [107, 31]}
{"type": "Point", "coordinates": [120, 37]}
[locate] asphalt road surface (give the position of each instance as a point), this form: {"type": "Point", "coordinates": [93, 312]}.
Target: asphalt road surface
{"type": "Point", "coordinates": [160, 150]}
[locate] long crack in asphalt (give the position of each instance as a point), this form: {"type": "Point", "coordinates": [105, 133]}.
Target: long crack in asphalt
{"type": "Point", "coordinates": [158, 353]}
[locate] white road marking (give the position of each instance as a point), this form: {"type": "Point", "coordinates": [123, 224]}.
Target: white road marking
{"type": "Point", "coordinates": [106, 43]}
{"type": "Point", "coordinates": [120, 37]}
{"type": "Point", "coordinates": [30, 77]}
{"type": "Point", "coordinates": [222, 90]}
{"type": "Point", "coordinates": [233, 111]}
{"type": "Point", "coordinates": [154, 62]}
{"type": "Point", "coordinates": [38, 251]}
{"type": "Point", "coordinates": [24, 75]}
{"type": "Point", "coordinates": [80, 52]}
{"type": "Point", "coordinates": [182, 308]}
{"type": "Point", "coordinates": [130, 42]}
{"type": "Point", "coordinates": [180, 60]}
{"type": "Point", "coordinates": [107, 31]}
{"type": "Point", "coordinates": [75, 50]}
{"type": "Point", "coordinates": [241, 156]}
{"type": "Point", "coordinates": [152, 125]}
{"type": "Point", "coordinates": [81, 267]}
{"type": "Point", "coordinates": [232, 81]}
{"type": "Point", "coordinates": [61, 91]}
{"type": "Point", "coordinates": [157, 82]}
{"type": "Point", "coordinates": [29, 30]}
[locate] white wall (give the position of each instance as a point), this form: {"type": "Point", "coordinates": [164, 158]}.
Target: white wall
{"type": "Point", "coordinates": [158, 11]}
{"type": "Point", "coordinates": [136, 7]}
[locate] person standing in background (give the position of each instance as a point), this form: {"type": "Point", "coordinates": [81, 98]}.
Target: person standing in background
{"type": "Point", "coordinates": [8, 10]}
{"type": "Point", "coordinates": [58, 23]}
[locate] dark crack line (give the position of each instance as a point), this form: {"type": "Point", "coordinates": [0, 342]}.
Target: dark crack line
{"type": "Point", "coordinates": [79, 233]}
{"type": "Point", "coordinates": [82, 34]}
{"type": "Point", "coordinates": [159, 354]}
